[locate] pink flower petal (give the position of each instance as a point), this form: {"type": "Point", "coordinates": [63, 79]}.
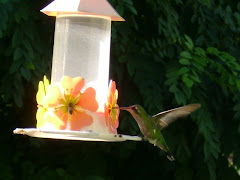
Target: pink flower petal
{"type": "Point", "coordinates": [78, 84]}
{"type": "Point", "coordinates": [80, 120]}
{"type": "Point", "coordinates": [112, 89]}
{"type": "Point", "coordinates": [88, 100]}
{"type": "Point", "coordinates": [112, 86]}
{"type": "Point", "coordinates": [63, 116]}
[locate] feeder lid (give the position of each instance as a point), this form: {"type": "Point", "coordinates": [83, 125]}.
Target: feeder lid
{"type": "Point", "coordinates": [75, 135]}
{"type": "Point", "coordinates": [84, 7]}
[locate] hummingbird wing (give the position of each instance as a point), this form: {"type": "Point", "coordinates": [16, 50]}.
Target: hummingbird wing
{"type": "Point", "coordinates": [167, 117]}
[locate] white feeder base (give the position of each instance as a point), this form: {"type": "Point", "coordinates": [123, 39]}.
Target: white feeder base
{"type": "Point", "coordinates": [75, 135]}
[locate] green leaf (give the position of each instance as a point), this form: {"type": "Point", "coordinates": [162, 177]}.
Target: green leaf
{"type": "Point", "coordinates": [188, 38]}
{"type": "Point", "coordinates": [213, 50]}
{"type": "Point", "coordinates": [15, 66]}
{"type": "Point", "coordinates": [17, 54]}
{"type": "Point", "coordinates": [25, 72]}
{"type": "Point", "coordinates": [200, 60]}
{"type": "Point", "coordinates": [186, 54]}
{"type": "Point", "coordinates": [184, 61]}
{"type": "Point", "coordinates": [128, 1]}
{"type": "Point", "coordinates": [198, 66]}
{"type": "Point", "coordinates": [228, 56]}
{"type": "Point", "coordinates": [187, 91]}
{"type": "Point", "coordinates": [195, 78]}
{"type": "Point", "coordinates": [200, 51]}
{"type": "Point", "coordinates": [183, 70]}
{"type": "Point", "coordinates": [16, 38]}
{"type": "Point", "coordinates": [189, 83]}
{"type": "Point", "coordinates": [29, 49]}
{"type": "Point", "coordinates": [189, 42]}
{"type": "Point", "coordinates": [190, 46]}
{"type": "Point", "coordinates": [132, 9]}
{"type": "Point", "coordinates": [29, 65]}
{"type": "Point", "coordinates": [180, 97]}
{"type": "Point", "coordinates": [173, 88]}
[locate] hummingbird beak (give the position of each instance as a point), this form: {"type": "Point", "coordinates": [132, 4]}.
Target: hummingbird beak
{"type": "Point", "coordinates": [122, 108]}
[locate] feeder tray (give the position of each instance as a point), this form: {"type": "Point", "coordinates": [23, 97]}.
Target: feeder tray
{"type": "Point", "coordinates": [75, 135]}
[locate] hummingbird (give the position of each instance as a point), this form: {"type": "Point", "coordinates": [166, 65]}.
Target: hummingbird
{"type": "Point", "coordinates": [151, 126]}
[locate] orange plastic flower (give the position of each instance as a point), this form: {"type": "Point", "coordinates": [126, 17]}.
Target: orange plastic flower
{"type": "Point", "coordinates": [112, 114]}
{"type": "Point", "coordinates": [70, 109]}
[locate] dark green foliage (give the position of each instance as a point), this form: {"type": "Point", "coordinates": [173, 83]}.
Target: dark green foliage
{"type": "Point", "coordinates": [166, 54]}
{"type": "Point", "coordinates": [25, 47]}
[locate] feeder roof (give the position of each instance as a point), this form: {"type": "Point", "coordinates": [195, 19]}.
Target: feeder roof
{"type": "Point", "coordinates": [85, 7]}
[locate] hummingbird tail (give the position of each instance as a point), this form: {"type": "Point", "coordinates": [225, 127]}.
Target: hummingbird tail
{"type": "Point", "coordinates": [170, 156]}
{"type": "Point", "coordinates": [165, 149]}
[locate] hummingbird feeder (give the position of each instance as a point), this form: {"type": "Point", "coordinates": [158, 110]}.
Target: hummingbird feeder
{"type": "Point", "coordinates": [79, 104]}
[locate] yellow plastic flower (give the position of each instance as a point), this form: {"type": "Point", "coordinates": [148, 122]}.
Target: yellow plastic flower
{"type": "Point", "coordinates": [44, 117]}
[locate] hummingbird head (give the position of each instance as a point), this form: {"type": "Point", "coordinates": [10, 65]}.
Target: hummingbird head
{"type": "Point", "coordinates": [134, 109]}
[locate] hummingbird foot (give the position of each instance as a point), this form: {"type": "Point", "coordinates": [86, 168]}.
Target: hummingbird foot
{"type": "Point", "coordinates": [141, 136]}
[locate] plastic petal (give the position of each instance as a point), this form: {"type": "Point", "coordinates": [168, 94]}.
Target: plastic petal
{"type": "Point", "coordinates": [40, 116]}
{"type": "Point", "coordinates": [45, 82]}
{"type": "Point", "coordinates": [114, 117]}
{"type": "Point", "coordinates": [88, 100]}
{"type": "Point", "coordinates": [52, 97]}
{"type": "Point", "coordinates": [80, 120]}
{"type": "Point", "coordinates": [78, 84]}
{"type": "Point", "coordinates": [54, 121]}
{"type": "Point", "coordinates": [67, 83]}
{"type": "Point", "coordinates": [41, 92]}
{"type": "Point", "coordinates": [112, 89]}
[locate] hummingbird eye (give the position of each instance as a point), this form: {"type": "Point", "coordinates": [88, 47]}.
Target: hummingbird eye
{"type": "Point", "coordinates": [136, 109]}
